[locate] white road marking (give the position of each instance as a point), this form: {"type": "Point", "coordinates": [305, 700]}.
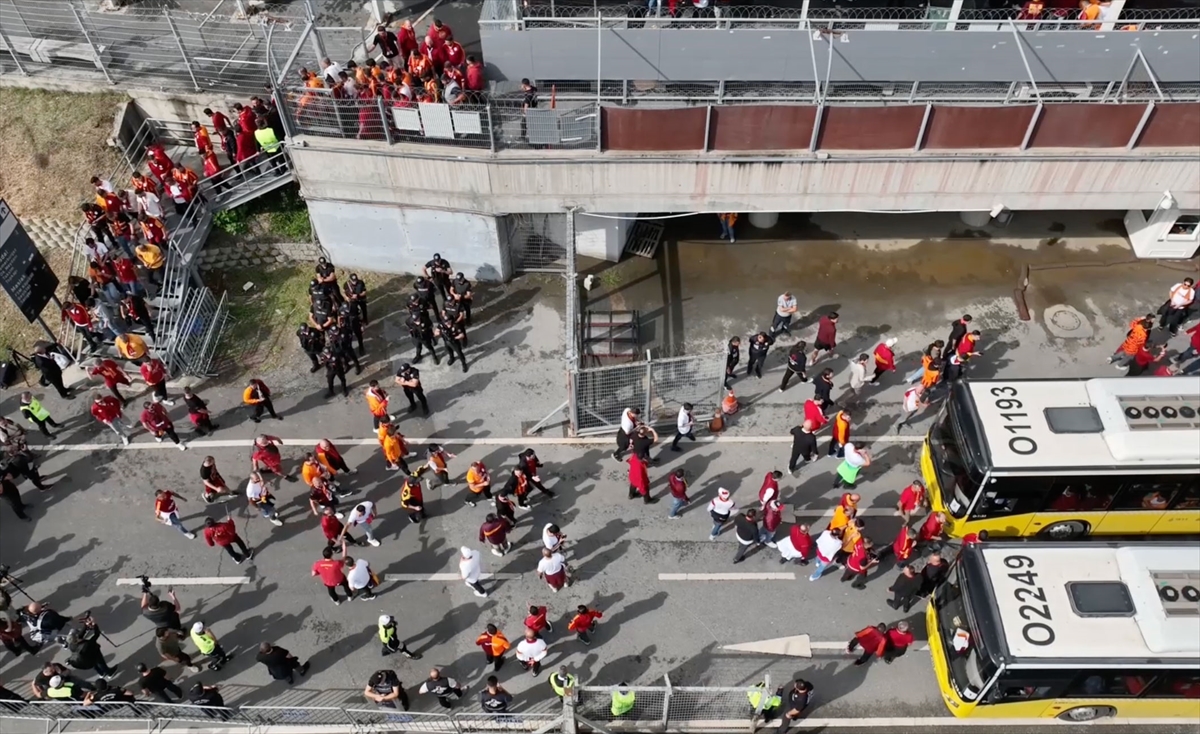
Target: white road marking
{"type": "Point", "coordinates": [229, 443]}
{"type": "Point", "coordinates": [727, 576]}
{"type": "Point", "coordinates": [446, 576]}
{"type": "Point", "coordinates": [188, 581]}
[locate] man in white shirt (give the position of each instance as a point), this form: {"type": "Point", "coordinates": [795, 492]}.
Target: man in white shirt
{"type": "Point", "coordinates": [330, 71]}
{"type": "Point", "coordinates": [828, 546]}
{"type": "Point", "coordinates": [685, 424]}
{"type": "Point", "coordinates": [720, 509]}
{"type": "Point", "coordinates": [630, 418]}
{"type": "Point", "coordinates": [858, 379]}
{"type": "Point", "coordinates": [553, 569]}
{"type": "Point", "coordinates": [531, 651]}
{"type": "Point", "coordinates": [552, 537]}
{"type": "Point", "coordinates": [913, 403]}
{"type": "Point", "coordinates": [95, 250]}
{"type": "Point", "coordinates": [785, 308]}
{"type": "Point", "coordinates": [359, 578]}
{"type": "Point", "coordinates": [469, 568]}
{"type": "Point", "coordinates": [260, 497]}
{"type": "Point", "coordinates": [1179, 301]}
{"type": "Point", "coordinates": [362, 516]}
{"type": "Point", "coordinates": [148, 204]}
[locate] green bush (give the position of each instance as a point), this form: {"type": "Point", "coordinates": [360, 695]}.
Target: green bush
{"type": "Point", "coordinates": [232, 221]}
{"type": "Point", "coordinates": [290, 224]}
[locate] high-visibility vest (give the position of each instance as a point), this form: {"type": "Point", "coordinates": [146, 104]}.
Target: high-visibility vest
{"type": "Point", "coordinates": [386, 633]}
{"type": "Point", "coordinates": [267, 140]}
{"type": "Point", "coordinates": [36, 410]}
{"type": "Point", "coordinates": [560, 685]}
{"type": "Point", "coordinates": [755, 695]}
{"type": "Point", "coordinates": [66, 690]}
{"type": "Point", "coordinates": [622, 702]}
{"type": "Point", "coordinates": [204, 642]}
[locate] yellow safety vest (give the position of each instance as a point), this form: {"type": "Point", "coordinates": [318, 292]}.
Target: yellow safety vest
{"type": "Point", "coordinates": [622, 702]}
{"type": "Point", "coordinates": [386, 633]}
{"type": "Point", "coordinates": [755, 695]}
{"type": "Point", "coordinates": [204, 642]}
{"type": "Point", "coordinates": [560, 689]}
{"type": "Point", "coordinates": [36, 411]}
{"type": "Point", "coordinates": [66, 690]}
{"type": "Point", "coordinates": [266, 139]}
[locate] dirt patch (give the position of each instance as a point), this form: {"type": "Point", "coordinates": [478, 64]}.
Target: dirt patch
{"type": "Point", "coordinates": [51, 144]}
{"type": "Point", "coordinates": [15, 331]}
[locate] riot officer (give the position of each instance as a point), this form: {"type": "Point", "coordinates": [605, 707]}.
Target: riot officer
{"type": "Point", "coordinates": [343, 343]}
{"type": "Point", "coordinates": [421, 332]}
{"type": "Point", "coordinates": [316, 292]}
{"type": "Point", "coordinates": [454, 337]}
{"type": "Point", "coordinates": [452, 313]}
{"type": "Point", "coordinates": [409, 378]}
{"type": "Point", "coordinates": [312, 341]}
{"type": "Point", "coordinates": [356, 293]}
{"type": "Point", "coordinates": [350, 324]}
{"type": "Point", "coordinates": [425, 290]}
{"type": "Point", "coordinates": [438, 270]}
{"type": "Point", "coordinates": [416, 306]}
{"type": "Point", "coordinates": [322, 315]}
{"type": "Point", "coordinates": [461, 294]}
{"type": "Point", "coordinates": [335, 367]}
{"type": "Point", "coordinates": [327, 279]}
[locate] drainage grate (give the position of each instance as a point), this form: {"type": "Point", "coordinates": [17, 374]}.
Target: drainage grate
{"type": "Point", "coordinates": [644, 239]}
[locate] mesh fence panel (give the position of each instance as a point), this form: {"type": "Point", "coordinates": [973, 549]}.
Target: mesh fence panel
{"type": "Point", "coordinates": [297, 715]}
{"type": "Point", "coordinates": [170, 713]}
{"type": "Point", "coordinates": [385, 719]}
{"type": "Point", "coordinates": [695, 379]}
{"type": "Point", "coordinates": [538, 242]}
{"type": "Point", "coordinates": [699, 704]}
{"type": "Point", "coordinates": [602, 393]}
{"type": "Point", "coordinates": [596, 703]}
{"type": "Point", "coordinates": [523, 721]}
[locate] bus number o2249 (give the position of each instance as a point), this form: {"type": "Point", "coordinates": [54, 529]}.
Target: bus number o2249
{"type": "Point", "coordinates": [1035, 632]}
{"type": "Point", "coordinates": [1006, 400]}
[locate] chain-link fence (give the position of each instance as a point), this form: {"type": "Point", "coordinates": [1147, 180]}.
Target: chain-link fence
{"type": "Point", "coordinates": [658, 386]}
{"type": "Point", "coordinates": [669, 707]}
{"type": "Point", "coordinates": [152, 47]}
{"type": "Point", "coordinates": [537, 242]}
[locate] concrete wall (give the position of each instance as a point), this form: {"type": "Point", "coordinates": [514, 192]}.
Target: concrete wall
{"type": "Point", "coordinates": [603, 239]}
{"type": "Point", "coordinates": [400, 239]}
{"type": "Point", "coordinates": [544, 181]}
{"type": "Point", "coordinates": [681, 55]}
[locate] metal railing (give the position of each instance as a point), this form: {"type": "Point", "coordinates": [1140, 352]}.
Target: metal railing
{"type": "Point", "coordinates": [157, 47]}
{"type": "Point", "coordinates": [98, 717]}
{"type": "Point", "coordinates": [666, 707]}
{"type": "Point", "coordinates": [659, 386]}
{"type": "Point", "coordinates": [665, 14]}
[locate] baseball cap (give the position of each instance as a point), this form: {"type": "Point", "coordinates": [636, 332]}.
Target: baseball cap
{"type": "Point", "coordinates": [197, 628]}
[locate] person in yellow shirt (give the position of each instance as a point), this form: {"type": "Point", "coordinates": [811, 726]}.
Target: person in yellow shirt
{"type": "Point", "coordinates": [131, 346]}
{"type": "Point", "coordinates": [151, 257]}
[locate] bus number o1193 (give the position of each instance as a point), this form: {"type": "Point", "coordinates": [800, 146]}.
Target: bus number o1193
{"type": "Point", "coordinates": [1035, 632]}
{"type": "Point", "coordinates": [1006, 400]}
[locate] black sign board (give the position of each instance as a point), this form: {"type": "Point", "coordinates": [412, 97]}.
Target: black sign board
{"type": "Point", "coordinates": [24, 273]}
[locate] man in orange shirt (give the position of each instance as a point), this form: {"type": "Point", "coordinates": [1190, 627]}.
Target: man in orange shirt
{"type": "Point", "coordinates": [1135, 339]}
{"type": "Point", "coordinates": [113, 375]}
{"type": "Point", "coordinates": [394, 448]}
{"type": "Point", "coordinates": [494, 645]}
{"type": "Point", "coordinates": [200, 137]}
{"type": "Point", "coordinates": [377, 403]}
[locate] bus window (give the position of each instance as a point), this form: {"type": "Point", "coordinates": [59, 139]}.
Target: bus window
{"type": "Point", "coordinates": [1082, 494]}
{"type": "Point", "coordinates": [1005, 496]}
{"type": "Point", "coordinates": [1175, 684]}
{"type": "Point", "coordinates": [958, 472]}
{"type": "Point", "coordinates": [1029, 685]}
{"type": "Point", "coordinates": [1110, 684]}
{"type": "Point", "coordinates": [1146, 495]}
{"type": "Point", "coordinates": [1188, 498]}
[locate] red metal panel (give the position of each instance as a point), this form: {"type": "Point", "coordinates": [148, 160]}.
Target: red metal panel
{"type": "Point", "coordinates": [1172, 126]}
{"type": "Point", "coordinates": [761, 127]}
{"type": "Point", "coordinates": [653, 129]}
{"type": "Point", "coordinates": [871, 128]}
{"type": "Point", "coordinates": [958, 128]}
{"type": "Point", "coordinates": [1086, 125]}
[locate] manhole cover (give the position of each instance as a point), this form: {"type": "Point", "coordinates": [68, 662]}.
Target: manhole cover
{"type": "Point", "coordinates": [1065, 322]}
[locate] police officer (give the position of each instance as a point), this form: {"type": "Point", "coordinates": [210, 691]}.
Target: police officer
{"type": "Point", "coordinates": [409, 378]}
{"type": "Point", "coordinates": [439, 271]}
{"type": "Point", "coordinates": [758, 353]}
{"type": "Point", "coordinates": [461, 294]}
{"type": "Point", "coordinates": [453, 336]}
{"type": "Point", "coordinates": [797, 364]}
{"type": "Point", "coordinates": [561, 680]}
{"type": "Point", "coordinates": [416, 306]}
{"type": "Point", "coordinates": [327, 279]}
{"type": "Point", "coordinates": [335, 367]}
{"type": "Point", "coordinates": [356, 293]}
{"type": "Point", "coordinates": [452, 313]}
{"type": "Point", "coordinates": [312, 341]}
{"type": "Point", "coordinates": [425, 289]}
{"type": "Point", "coordinates": [797, 700]}
{"type": "Point", "coordinates": [733, 355]}
{"type": "Point", "coordinates": [391, 641]}
{"type": "Point", "coordinates": [421, 333]}
{"type": "Point", "coordinates": [350, 324]}
{"type": "Point", "coordinates": [343, 342]}
{"type": "Point", "coordinates": [51, 372]}
{"type": "Point", "coordinates": [316, 292]}
{"type": "Point", "coordinates": [322, 314]}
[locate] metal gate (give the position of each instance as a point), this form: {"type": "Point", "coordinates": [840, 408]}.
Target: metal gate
{"type": "Point", "coordinates": [537, 242]}
{"type": "Point", "coordinates": [658, 386]}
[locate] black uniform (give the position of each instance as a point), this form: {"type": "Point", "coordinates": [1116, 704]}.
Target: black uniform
{"type": "Point", "coordinates": [416, 306]}
{"type": "Point", "coordinates": [51, 373]}
{"type": "Point", "coordinates": [454, 314]}
{"type": "Point", "coordinates": [905, 591]}
{"type": "Point", "coordinates": [804, 444]}
{"type": "Point", "coordinates": [408, 372]}
{"type": "Point", "coordinates": [141, 314]}
{"type": "Point", "coordinates": [335, 368]}
{"type": "Point", "coordinates": [439, 272]}
{"type": "Point", "coordinates": [461, 293]}
{"type": "Point", "coordinates": [350, 324]}
{"type": "Point", "coordinates": [23, 463]}
{"type": "Point", "coordinates": [356, 294]}
{"type": "Point", "coordinates": [421, 332]}
{"type": "Point", "coordinates": [342, 342]}
{"type": "Point", "coordinates": [312, 341]}
{"type": "Point", "coordinates": [495, 703]}
{"type": "Point", "coordinates": [797, 365]}
{"type": "Point", "coordinates": [384, 683]}
{"type": "Point", "coordinates": [330, 288]}
{"type": "Point", "coordinates": [758, 354]}
{"type": "Point", "coordinates": [323, 314]}
{"type": "Point", "coordinates": [454, 337]}
{"type": "Point", "coordinates": [733, 355]}
{"type": "Point", "coordinates": [316, 292]}
{"type": "Point", "coordinates": [425, 290]}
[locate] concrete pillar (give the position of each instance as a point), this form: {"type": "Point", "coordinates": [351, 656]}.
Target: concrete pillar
{"type": "Point", "coordinates": [976, 219]}
{"type": "Point", "coordinates": [602, 237]}
{"type": "Point", "coordinates": [763, 220]}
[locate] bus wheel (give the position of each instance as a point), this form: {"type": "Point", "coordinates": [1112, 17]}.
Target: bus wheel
{"type": "Point", "coordinates": [1069, 530]}
{"type": "Point", "coordinates": [1086, 713]}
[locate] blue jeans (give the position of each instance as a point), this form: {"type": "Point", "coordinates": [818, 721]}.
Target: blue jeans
{"type": "Point", "coordinates": [717, 528]}
{"type": "Point", "coordinates": [821, 566]}
{"type": "Point", "coordinates": [676, 506]}
{"type": "Point", "coordinates": [266, 509]}
{"type": "Point", "coordinates": [1192, 369]}
{"type": "Point", "coordinates": [915, 374]}
{"type": "Point", "coordinates": [173, 519]}
{"type": "Point", "coordinates": [726, 230]}
{"type": "Point", "coordinates": [1187, 354]}
{"type": "Point", "coordinates": [765, 536]}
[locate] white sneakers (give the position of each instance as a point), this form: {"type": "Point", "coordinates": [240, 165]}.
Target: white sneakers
{"type": "Point", "coordinates": [373, 542]}
{"type": "Point", "coordinates": [190, 536]}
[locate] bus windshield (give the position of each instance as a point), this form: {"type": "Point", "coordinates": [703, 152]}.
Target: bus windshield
{"type": "Point", "coordinates": [973, 668]}
{"type": "Point", "coordinates": [958, 475]}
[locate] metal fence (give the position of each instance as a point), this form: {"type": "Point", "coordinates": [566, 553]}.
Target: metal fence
{"type": "Point", "coordinates": [538, 242]}
{"type": "Point", "coordinates": [100, 717]}
{"type": "Point", "coordinates": [668, 707]}
{"type": "Point", "coordinates": [659, 386]}
{"type": "Point", "coordinates": [153, 47]}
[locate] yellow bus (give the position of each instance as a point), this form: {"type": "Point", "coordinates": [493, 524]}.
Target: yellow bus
{"type": "Point", "coordinates": [1071, 630]}
{"type": "Point", "coordinates": [1067, 458]}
